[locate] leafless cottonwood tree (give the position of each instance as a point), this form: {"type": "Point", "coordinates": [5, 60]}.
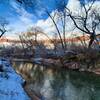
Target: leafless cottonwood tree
{"type": "Point", "coordinates": [88, 20]}
{"type": "Point", "coordinates": [61, 15]}
{"type": "Point", "coordinates": [62, 41]}
{"type": "Point", "coordinates": [27, 42]}
{"type": "Point", "coordinates": [59, 21]}
{"type": "Point", "coordinates": [30, 38]}
{"type": "Point", "coordinates": [33, 33]}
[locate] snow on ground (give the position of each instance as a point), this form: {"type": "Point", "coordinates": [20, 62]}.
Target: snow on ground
{"type": "Point", "coordinates": [11, 83]}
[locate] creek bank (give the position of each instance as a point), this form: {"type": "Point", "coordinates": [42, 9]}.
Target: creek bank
{"type": "Point", "coordinates": [73, 61]}
{"type": "Point", "coordinates": [81, 61]}
{"type": "Point", "coordinates": [11, 84]}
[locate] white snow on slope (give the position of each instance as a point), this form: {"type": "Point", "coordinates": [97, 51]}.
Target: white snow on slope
{"type": "Point", "coordinates": [11, 83]}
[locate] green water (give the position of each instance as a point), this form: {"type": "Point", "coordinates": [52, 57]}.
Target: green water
{"type": "Point", "coordinates": [60, 84]}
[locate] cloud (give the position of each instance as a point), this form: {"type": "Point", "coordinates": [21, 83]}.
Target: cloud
{"type": "Point", "coordinates": [20, 22]}
{"type": "Point", "coordinates": [77, 10]}
{"type": "Point", "coordinates": [24, 16]}
{"type": "Point", "coordinates": [74, 5]}
{"type": "Point", "coordinates": [26, 19]}
{"type": "Point", "coordinates": [47, 25]}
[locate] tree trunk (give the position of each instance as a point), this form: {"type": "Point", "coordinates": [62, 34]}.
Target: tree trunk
{"type": "Point", "coordinates": [92, 38]}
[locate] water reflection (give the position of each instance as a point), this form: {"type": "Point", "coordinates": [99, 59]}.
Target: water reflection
{"type": "Point", "coordinates": [60, 84]}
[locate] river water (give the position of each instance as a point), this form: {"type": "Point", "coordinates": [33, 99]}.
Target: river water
{"type": "Point", "coordinates": [60, 84]}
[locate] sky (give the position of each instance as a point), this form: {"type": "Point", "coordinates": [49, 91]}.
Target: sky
{"type": "Point", "coordinates": [21, 18]}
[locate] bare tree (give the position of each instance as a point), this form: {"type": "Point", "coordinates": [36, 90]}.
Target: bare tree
{"type": "Point", "coordinates": [22, 40]}
{"type": "Point", "coordinates": [30, 40]}
{"type": "Point", "coordinates": [87, 21]}
{"type": "Point", "coordinates": [61, 14]}
{"type": "Point", "coordinates": [34, 32]}
{"type": "Point", "coordinates": [57, 28]}
{"type": "Point", "coordinates": [27, 42]}
{"type": "Point", "coordinates": [3, 24]}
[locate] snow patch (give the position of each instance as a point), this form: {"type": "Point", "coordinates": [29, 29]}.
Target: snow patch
{"type": "Point", "coordinates": [11, 83]}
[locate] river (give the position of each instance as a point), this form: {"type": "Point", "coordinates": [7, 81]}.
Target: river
{"type": "Point", "coordinates": [59, 84]}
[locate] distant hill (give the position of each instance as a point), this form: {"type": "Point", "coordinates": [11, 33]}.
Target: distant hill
{"type": "Point", "coordinates": [76, 39]}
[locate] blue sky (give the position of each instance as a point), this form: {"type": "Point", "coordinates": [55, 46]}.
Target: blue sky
{"type": "Point", "coordinates": [9, 10]}
{"type": "Point", "coordinates": [20, 18]}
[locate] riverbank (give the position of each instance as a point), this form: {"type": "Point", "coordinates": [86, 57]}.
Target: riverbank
{"type": "Point", "coordinates": [11, 84]}
{"type": "Point", "coordinates": [81, 61]}
{"type": "Point", "coordinates": [38, 68]}
{"type": "Point", "coordinates": [56, 63]}
{"type": "Point", "coordinates": [46, 80]}
{"type": "Point", "coordinates": [73, 65]}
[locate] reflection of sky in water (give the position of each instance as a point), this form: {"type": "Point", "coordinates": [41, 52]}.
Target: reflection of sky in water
{"type": "Point", "coordinates": [47, 90]}
{"type": "Point", "coordinates": [63, 85]}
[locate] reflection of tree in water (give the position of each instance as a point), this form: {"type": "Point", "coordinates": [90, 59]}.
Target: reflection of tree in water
{"type": "Point", "coordinates": [81, 79]}
{"type": "Point", "coordinates": [58, 84]}
{"type": "Point", "coordinates": [16, 65]}
{"type": "Point", "coordinates": [37, 80]}
{"type": "Point", "coordinates": [72, 85]}
{"type": "Point", "coordinates": [61, 84]}
{"type": "Point", "coordinates": [85, 85]}
{"type": "Point", "coordinates": [38, 74]}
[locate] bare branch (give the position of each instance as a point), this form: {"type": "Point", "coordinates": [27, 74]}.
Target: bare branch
{"type": "Point", "coordinates": [56, 28]}
{"type": "Point", "coordinates": [3, 24]}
